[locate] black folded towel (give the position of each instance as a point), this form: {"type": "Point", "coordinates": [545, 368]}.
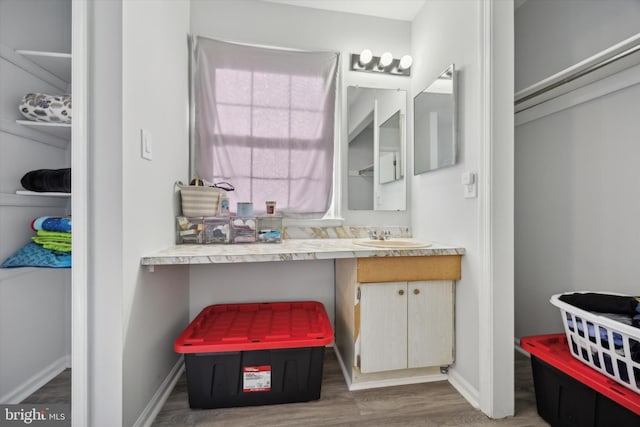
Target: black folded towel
{"type": "Point", "coordinates": [48, 180]}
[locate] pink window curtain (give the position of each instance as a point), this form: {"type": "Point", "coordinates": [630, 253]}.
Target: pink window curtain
{"type": "Point", "coordinates": [264, 121]}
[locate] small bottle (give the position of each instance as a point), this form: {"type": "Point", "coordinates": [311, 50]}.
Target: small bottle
{"type": "Point", "coordinates": [223, 209]}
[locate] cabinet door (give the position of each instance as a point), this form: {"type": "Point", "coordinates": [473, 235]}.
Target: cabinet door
{"type": "Point", "coordinates": [430, 323]}
{"type": "Point", "coordinates": [383, 326]}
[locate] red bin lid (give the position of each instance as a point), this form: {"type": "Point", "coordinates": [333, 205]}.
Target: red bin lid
{"type": "Point", "coordinates": [554, 349]}
{"type": "Point", "coordinates": [256, 326]}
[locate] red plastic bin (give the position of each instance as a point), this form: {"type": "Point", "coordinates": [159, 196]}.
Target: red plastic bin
{"type": "Point", "coordinates": [255, 353]}
{"type": "Point", "coordinates": [568, 391]}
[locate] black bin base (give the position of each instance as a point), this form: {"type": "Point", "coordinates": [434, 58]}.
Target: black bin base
{"type": "Point", "coordinates": [219, 380]}
{"type": "Point", "coordinates": [564, 401]}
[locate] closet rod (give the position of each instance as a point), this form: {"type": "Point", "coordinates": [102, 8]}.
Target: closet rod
{"type": "Point", "coordinates": [597, 62]}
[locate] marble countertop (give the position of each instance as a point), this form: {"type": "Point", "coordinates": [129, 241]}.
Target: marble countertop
{"type": "Point", "coordinates": [288, 250]}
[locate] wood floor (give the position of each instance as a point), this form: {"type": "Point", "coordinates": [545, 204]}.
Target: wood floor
{"type": "Point", "coordinates": [431, 404]}
{"type": "Point", "coordinates": [58, 390]}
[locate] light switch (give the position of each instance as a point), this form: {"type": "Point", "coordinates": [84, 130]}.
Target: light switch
{"type": "Point", "coordinates": [146, 145]}
{"type": "Point", "coordinates": [470, 187]}
{"type": "Point", "coordinates": [468, 178]}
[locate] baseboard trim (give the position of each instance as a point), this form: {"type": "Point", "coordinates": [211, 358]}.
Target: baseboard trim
{"type": "Point", "coordinates": [519, 349]}
{"type": "Point", "coordinates": [463, 387]}
{"type": "Point", "coordinates": [391, 382]}
{"type": "Point", "coordinates": [343, 368]}
{"type": "Point", "coordinates": [160, 396]}
{"type": "Point", "coordinates": [386, 382]}
{"type": "Point", "coordinates": [36, 381]}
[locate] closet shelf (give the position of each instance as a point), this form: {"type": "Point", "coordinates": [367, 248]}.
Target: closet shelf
{"type": "Point", "coordinates": [59, 130]}
{"type": "Point", "coordinates": [366, 171]}
{"type": "Point", "coordinates": [14, 128]}
{"type": "Point", "coordinates": [33, 199]}
{"type": "Point", "coordinates": [25, 59]}
{"type": "Point", "coordinates": [57, 63]}
{"type": "Point", "coordinates": [44, 194]}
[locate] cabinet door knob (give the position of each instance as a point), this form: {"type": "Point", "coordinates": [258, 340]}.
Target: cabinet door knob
{"type": "Point", "coordinates": [401, 292]}
{"type": "Point", "coordinates": [416, 291]}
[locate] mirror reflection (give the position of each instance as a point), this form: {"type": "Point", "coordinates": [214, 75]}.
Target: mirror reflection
{"type": "Point", "coordinates": [376, 136]}
{"type": "Point", "coordinates": [390, 149]}
{"type": "Point", "coordinates": [434, 136]}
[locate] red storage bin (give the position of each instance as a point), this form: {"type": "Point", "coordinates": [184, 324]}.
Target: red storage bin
{"type": "Point", "coordinates": [255, 354]}
{"type": "Point", "coordinates": [569, 392]}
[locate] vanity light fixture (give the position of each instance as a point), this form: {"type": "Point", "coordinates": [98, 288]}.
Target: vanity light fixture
{"type": "Point", "coordinates": [365, 57]}
{"type": "Point", "coordinates": [385, 60]}
{"type": "Point", "coordinates": [385, 63]}
{"type": "Point", "coordinates": [405, 62]}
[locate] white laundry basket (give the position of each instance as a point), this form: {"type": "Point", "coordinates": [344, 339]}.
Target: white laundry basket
{"type": "Point", "coordinates": [590, 336]}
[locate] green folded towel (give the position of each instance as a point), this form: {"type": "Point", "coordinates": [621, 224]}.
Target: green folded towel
{"type": "Point", "coordinates": [55, 246]}
{"type": "Point", "coordinates": [59, 236]}
{"type": "Point", "coordinates": [54, 240]}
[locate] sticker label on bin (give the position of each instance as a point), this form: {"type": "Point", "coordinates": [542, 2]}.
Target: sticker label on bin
{"type": "Point", "coordinates": [256, 378]}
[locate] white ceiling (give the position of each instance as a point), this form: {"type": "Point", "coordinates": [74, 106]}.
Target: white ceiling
{"type": "Point", "coordinates": [404, 10]}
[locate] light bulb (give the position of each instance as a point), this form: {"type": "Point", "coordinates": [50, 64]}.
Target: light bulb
{"type": "Point", "coordinates": [405, 62]}
{"type": "Point", "coordinates": [385, 60]}
{"type": "Point", "coordinates": [365, 57]}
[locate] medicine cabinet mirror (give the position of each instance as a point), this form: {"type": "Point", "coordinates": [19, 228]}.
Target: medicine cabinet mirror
{"type": "Point", "coordinates": [435, 135]}
{"type": "Point", "coordinates": [376, 156]}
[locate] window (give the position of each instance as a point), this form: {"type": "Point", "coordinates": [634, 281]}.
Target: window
{"type": "Point", "coordinates": [264, 121]}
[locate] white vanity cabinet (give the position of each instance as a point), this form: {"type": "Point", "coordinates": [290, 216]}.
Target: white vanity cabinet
{"type": "Point", "coordinates": [395, 318]}
{"type": "Point", "coordinates": [405, 325]}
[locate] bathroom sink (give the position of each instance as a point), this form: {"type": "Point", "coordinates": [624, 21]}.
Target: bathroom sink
{"type": "Point", "coordinates": [392, 243]}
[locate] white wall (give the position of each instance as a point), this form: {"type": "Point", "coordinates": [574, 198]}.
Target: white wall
{"type": "Point", "coordinates": [138, 80]}
{"type": "Point", "coordinates": [155, 97]}
{"type": "Point", "coordinates": [105, 239]}
{"type": "Point", "coordinates": [576, 210]}
{"type": "Point", "coordinates": [264, 282]}
{"type": "Point", "coordinates": [441, 35]}
{"type": "Point", "coordinates": [575, 30]}
{"type": "Point", "coordinates": [250, 21]}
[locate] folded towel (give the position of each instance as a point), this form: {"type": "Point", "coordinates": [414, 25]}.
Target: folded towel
{"type": "Point", "coordinates": [603, 303]}
{"type": "Point", "coordinates": [33, 255]}
{"type": "Point", "coordinates": [48, 180]}
{"type": "Point", "coordinates": [54, 240]}
{"type": "Point", "coordinates": [54, 246]}
{"type": "Point", "coordinates": [58, 236]}
{"type": "Point", "coordinates": [52, 223]}
{"type": "Point", "coordinates": [46, 108]}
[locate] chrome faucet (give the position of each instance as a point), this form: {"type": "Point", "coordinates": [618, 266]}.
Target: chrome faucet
{"type": "Point", "coordinates": [382, 235]}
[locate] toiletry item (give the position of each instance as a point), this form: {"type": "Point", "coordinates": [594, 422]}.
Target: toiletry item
{"type": "Point", "coordinates": [271, 207]}
{"type": "Point", "coordinates": [244, 210]}
{"type": "Point", "coordinates": [243, 230]}
{"type": "Point", "coordinates": [223, 207]}
{"type": "Point", "coordinates": [269, 229]}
